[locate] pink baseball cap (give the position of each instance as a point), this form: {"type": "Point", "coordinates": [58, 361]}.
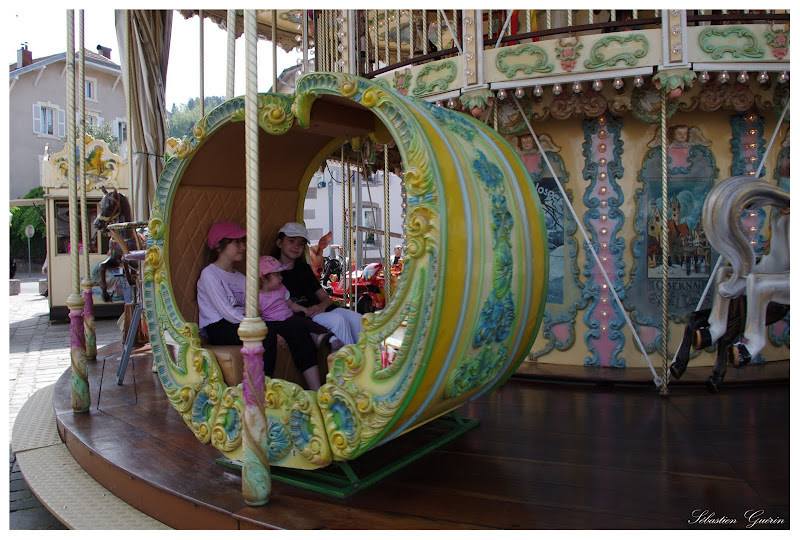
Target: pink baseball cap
{"type": "Point", "coordinates": [224, 229]}
{"type": "Point", "coordinates": [268, 265]}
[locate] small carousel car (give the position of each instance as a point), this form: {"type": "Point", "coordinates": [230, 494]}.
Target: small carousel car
{"type": "Point", "coordinates": [368, 285]}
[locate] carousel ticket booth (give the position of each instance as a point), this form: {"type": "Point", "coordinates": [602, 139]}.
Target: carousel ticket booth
{"type": "Point", "coordinates": [104, 169]}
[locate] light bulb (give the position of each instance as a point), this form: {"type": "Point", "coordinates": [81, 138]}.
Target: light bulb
{"type": "Point", "coordinates": [538, 91]}
{"type": "Point", "coordinates": [703, 77]}
{"type": "Point", "coordinates": [597, 85]}
{"type": "Point", "coordinates": [783, 77]}
{"type": "Point", "coordinates": [557, 88]}
{"type": "Point", "coordinates": [743, 77]}
{"type": "Point", "coordinates": [451, 103]}
{"type": "Point", "coordinates": [501, 94]}
{"type": "Point", "coordinates": [723, 77]}
{"type": "Point", "coordinates": [763, 77]}
{"type": "Point", "coordinates": [638, 81]}
{"type": "Point", "coordinates": [576, 87]}
{"type": "Point", "coordinates": [519, 93]}
{"type": "Point", "coordinates": [618, 83]}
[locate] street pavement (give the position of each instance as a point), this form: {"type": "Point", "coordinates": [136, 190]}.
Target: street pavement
{"type": "Point", "coordinates": [39, 355]}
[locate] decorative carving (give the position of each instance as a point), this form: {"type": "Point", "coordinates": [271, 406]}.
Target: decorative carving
{"type": "Point", "coordinates": [589, 103]}
{"type": "Point", "coordinates": [778, 39]}
{"type": "Point", "coordinates": [736, 96]}
{"type": "Point", "coordinates": [736, 41]}
{"type": "Point", "coordinates": [102, 166]}
{"type": "Point", "coordinates": [602, 150]}
{"type": "Point", "coordinates": [646, 103]}
{"type": "Point", "coordinates": [597, 56]}
{"type": "Point", "coordinates": [568, 51]}
{"type": "Point", "coordinates": [477, 102]}
{"type": "Point", "coordinates": [535, 60]}
{"type": "Point", "coordinates": [402, 81]}
{"type": "Point", "coordinates": [674, 82]}
{"type": "Point", "coordinates": [449, 70]}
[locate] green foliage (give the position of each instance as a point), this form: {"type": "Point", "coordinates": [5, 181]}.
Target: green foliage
{"type": "Point", "coordinates": [105, 133]}
{"type": "Point", "coordinates": [182, 118]}
{"type": "Point", "coordinates": [25, 215]}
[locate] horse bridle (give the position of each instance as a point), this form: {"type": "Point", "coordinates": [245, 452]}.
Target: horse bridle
{"type": "Point", "coordinates": [115, 212]}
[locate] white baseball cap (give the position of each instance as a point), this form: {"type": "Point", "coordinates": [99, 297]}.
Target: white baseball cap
{"type": "Point", "coordinates": [293, 229]}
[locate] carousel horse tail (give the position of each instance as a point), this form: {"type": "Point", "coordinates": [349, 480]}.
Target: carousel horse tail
{"type": "Point", "coordinates": [722, 213]}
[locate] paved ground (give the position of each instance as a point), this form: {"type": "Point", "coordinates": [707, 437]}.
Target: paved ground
{"type": "Point", "coordinates": [39, 354]}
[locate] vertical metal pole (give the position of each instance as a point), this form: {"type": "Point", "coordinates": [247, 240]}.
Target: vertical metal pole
{"type": "Point", "coordinates": [129, 109]}
{"type": "Point", "coordinates": [424, 32]}
{"type": "Point", "coordinates": [80, 376]}
{"type": "Point", "coordinates": [202, 66]}
{"type": "Point", "coordinates": [387, 263]}
{"type": "Point", "coordinates": [359, 216]}
{"type": "Point", "coordinates": [256, 477]}
{"type": "Point", "coordinates": [86, 283]}
{"type": "Point", "coordinates": [231, 58]}
{"type": "Point", "coordinates": [305, 41]}
{"type": "Point", "coordinates": [664, 245]}
{"type": "Point", "coordinates": [331, 184]}
{"type": "Point", "coordinates": [274, 50]}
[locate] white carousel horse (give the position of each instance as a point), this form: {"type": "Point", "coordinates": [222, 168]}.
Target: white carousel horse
{"type": "Point", "coordinates": [762, 282]}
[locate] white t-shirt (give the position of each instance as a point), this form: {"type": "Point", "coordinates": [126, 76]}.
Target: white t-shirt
{"type": "Point", "coordinates": [220, 295]}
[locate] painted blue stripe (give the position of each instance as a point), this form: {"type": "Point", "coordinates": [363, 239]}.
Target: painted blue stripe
{"type": "Point", "coordinates": [468, 279]}
{"type": "Point", "coordinates": [529, 260]}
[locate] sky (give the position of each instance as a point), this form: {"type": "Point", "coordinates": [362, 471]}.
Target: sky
{"type": "Point", "coordinates": [44, 30]}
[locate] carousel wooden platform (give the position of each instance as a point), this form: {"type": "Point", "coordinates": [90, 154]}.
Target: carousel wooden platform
{"type": "Point", "coordinates": [563, 456]}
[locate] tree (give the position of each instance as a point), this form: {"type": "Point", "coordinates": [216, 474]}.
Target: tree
{"type": "Point", "coordinates": [21, 216]}
{"type": "Point", "coordinates": [104, 132]}
{"type": "Point", "coordinates": [182, 118]}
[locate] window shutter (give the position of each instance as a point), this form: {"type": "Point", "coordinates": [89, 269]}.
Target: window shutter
{"type": "Point", "coordinates": [62, 123]}
{"type": "Point", "coordinates": [37, 119]}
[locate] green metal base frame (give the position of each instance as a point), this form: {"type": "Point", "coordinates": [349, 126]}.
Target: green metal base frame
{"type": "Point", "coordinates": [341, 481]}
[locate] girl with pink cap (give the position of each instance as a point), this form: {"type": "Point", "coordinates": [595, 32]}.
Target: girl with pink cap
{"type": "Point", "coordinates": [221, 292]}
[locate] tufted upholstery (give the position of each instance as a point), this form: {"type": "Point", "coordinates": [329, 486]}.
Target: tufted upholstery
{"type": "Point", "coordinates": [194, 209]}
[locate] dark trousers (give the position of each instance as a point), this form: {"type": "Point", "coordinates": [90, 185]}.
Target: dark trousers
{"type": "Point", "coordinates": [295, 333]}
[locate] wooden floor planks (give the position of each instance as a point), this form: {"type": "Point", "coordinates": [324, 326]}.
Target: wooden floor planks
{"type": "Point", "coordinates": [544, 456]}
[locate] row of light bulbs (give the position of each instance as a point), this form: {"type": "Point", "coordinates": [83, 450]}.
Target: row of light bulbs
{"type": "Point", "coordinates": [618, 83]}
{"type": "Point", "coordinates": [743, 77]}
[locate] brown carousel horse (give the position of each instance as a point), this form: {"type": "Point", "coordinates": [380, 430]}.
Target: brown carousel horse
{"type": "Point", "coordinates": [115, 208]}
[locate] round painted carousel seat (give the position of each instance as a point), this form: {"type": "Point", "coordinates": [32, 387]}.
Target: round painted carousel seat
{"type": "Point", "coordinates": [467, 306]}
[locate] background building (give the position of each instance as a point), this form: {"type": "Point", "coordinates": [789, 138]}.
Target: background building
{"type": "Point", "coordinates": [37, 109]}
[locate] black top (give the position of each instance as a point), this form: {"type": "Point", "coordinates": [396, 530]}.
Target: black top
{"type": "Point", "coordinates": [302, 284]}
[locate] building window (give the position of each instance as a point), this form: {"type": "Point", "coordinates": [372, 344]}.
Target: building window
{"type": "Point", "coordinates": [92, 120]}
{"type": "Point", "coordinates": [122, 131]}
{"type": "Point", "coordinates": [62, 229]}
{"type": "Point", "coordinates": [49, 120]}
{"type": "Point", "coordinates": [91, 89]}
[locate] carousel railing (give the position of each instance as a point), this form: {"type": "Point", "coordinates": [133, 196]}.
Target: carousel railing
{"type": "Point", "coordinates": [392, 39]}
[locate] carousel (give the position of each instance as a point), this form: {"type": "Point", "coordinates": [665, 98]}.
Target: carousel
{"type": "Point", "coordinates": [591, 196]}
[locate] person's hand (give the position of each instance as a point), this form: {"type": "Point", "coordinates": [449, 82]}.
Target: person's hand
{"type": "Point", "coordinates": [314, 310]}
{"type": "Point", "coordinates": [107, 296]}
{"type": "Point", "coordinates": [282, 342]}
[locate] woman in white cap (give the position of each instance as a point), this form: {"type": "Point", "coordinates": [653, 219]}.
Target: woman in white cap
{"type": "Point", "coordinates": [221, 292]}
{"type": "Point", "coordinates": [306, 291]}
